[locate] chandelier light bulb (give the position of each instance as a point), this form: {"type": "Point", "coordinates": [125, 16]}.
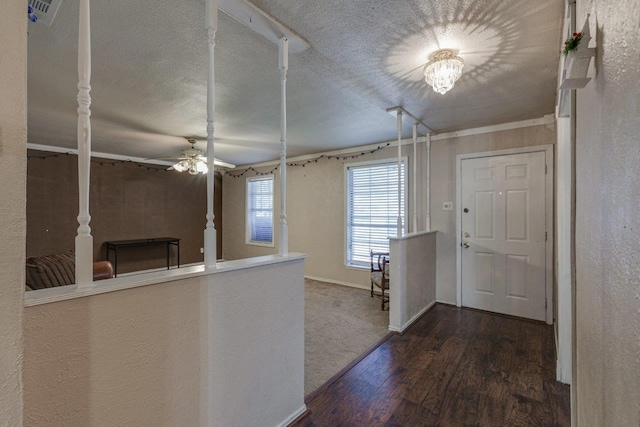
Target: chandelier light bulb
{"type": "Point", "coordinates": [443, 71]}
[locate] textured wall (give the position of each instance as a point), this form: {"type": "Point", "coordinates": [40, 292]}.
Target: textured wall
{"type": "Point", "coordinates": [257, 346]}
{"type": "Point", "coordinates": [214, 350]}
{"type": "Point", "coordinates": [414, 271]}
{"type": "Point", "coordinates": [443, 189]}
{"type": "Point", "coordinates": [13, 135]}
{"type": "Point", "coordinates": [608, 220]}
{"type": "Point", "coordinates": [315, 214]}
{"type": "Point", "coordinates": [126, 202]}
{"type": "Point", "coordinates": [124, 358]}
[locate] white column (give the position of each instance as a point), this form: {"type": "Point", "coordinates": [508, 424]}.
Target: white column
{"type": "Point", "coordinates": [210, 230]}
{"type": "Point", "coordinates": [414, 225]}
{"type": "Point", "coordinates": [84, 240]}
{"type": "Point", "coordinates": [427, 225]}
{"type": "Point", "coordinates": [283, 240]}
{"type": "Point", "coordinates": [399, 126]}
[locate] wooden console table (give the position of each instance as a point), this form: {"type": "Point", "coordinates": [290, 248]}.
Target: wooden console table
{"type": "Point", "coordinates": [116, 244]}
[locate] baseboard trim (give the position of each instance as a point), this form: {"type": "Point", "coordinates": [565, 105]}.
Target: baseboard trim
{"type": "Point", "coordinates": [338, 282]}
{"type": "Point", "coordinates": [413, 320]}
{"type": "Point", "coordinates": [344, 370]}
{"type": "Point", "coordinates": [452, 304]}
{"type": "Point", "coordinates": [297, 415]}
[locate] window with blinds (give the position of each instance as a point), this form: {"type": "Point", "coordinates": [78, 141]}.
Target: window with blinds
{"type": "Point", "coordinates": [260, 211]}
{"type": "Point", "coordinates": [372, 209]}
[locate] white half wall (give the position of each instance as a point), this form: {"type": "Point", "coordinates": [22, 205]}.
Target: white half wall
{"type": "Point", "coordinates": [218, 349]}
{"type": "Point", "coordinates": [13, 168]}
{"type": "Point", "coordinates": [412, 287]}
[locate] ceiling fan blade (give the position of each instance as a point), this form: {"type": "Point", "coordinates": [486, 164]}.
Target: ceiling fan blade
{"type": "Point", "coordinates": [217, 162]}
{"type": "Point", "coordinates": [167, 158]}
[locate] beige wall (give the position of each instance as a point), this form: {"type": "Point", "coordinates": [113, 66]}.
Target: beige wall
{"type": "Point", "coordinates": [316, 206]}
{"type": "Point", "coordinates": [315, 214]}
{"type": "Point", "coordinates": [124, 358]}
{"type": "Point", "coordinates": [215, 350]}
{"type": "Point", "coordinates": [13, 168]}
{"type": "Point", "coordinates": [443, 189]}
{"type": "Point", "coordinates": [608, 220]}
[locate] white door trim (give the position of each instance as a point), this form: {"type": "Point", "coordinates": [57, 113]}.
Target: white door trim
{"type": "Point", "coordinates": [548, 151]}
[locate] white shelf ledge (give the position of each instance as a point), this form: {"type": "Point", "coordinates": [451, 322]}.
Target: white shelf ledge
{"type": "Point", "coordinates": [62, 293]}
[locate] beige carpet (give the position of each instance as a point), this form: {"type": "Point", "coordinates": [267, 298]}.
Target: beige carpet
{"type": "Point", "coordinates": [340, 323]}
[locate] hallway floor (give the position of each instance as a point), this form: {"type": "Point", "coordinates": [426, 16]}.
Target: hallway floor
{"type": "Point", "coordinates": [453, 367]}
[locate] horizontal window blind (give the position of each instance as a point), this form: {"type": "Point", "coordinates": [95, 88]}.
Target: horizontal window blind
{"type": "Point", "coordinates": [260, 210]}
{"type": "Point", "coordinates": [372, 209]}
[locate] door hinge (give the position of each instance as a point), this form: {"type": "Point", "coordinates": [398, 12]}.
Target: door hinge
{"type": "Point", "coordinates": [545, 168]}
{"type": "Point", "coordinates": [545, 303]}
{"type": "Point", "coordinates": [545, 236]}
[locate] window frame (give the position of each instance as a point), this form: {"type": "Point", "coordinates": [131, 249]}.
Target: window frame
{"type": "Point", "coordinates": [404, 159]}
{"type": "Point", "coordinates": [248, 239]}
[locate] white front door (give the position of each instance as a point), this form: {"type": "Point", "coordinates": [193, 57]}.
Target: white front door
{"type": "Point", "coordinates": [503, 234]}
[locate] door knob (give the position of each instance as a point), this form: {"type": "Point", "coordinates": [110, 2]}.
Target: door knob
{"type": "Point", "coordinates": [465, 210]}
{"type": "Point", "coordinates": [466, 245]}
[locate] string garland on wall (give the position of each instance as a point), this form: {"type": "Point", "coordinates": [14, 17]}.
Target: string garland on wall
{"type": "Point", "coordinates": [306, 162]}
{"type": "Point", "coordinates": [103, 162]}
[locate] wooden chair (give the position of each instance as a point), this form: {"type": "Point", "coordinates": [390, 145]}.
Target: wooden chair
{"type": "Point", "coordinates": [380, 276]}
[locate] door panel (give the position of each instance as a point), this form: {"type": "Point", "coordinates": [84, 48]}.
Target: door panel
{"type": "Point", "coordinates": [503, 257]}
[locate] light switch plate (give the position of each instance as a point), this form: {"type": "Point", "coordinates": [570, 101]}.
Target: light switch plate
{"type": "Point", "coordinates": [447, 206]}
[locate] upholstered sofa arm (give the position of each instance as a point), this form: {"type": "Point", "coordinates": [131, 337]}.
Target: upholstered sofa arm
{"type": "Point", "coordinates": [102, 270]}
{"type": "Point", "coordinates": [54, 270]}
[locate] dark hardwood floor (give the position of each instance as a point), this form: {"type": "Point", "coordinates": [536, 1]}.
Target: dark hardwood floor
{"type": "Point", "coordinates": [454, 367]}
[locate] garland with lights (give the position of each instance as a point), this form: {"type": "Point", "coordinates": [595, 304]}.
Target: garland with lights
{"type": "Point", "coordinates": [306, 162]}
{"type": "Point", "coordinates": [102, 162]}
{"type": "Point", "coordinates": [236, 175]}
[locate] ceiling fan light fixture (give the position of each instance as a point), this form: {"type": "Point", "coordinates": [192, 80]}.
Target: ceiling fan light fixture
{"type": "Point", "coordinates": [180, 166]}
{"type": "Point", "coordinates": [443, 71]}
{"type": "Point", "coordinates": [193, 161]}
{"type": "Point", "coordinates": [201, 167]}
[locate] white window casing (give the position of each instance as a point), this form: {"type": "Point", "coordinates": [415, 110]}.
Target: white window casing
{"type": "Point", "coordinates": [371, 190]}
{"type": "Point", "coordinates": [259, 211]}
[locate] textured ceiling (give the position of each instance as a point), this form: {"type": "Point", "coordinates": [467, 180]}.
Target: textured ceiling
{"type": "Point", "coordinates": [150, 66]}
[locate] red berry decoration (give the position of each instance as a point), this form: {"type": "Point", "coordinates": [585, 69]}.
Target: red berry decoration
{"type": "Point", "coordinates": [572, 43]}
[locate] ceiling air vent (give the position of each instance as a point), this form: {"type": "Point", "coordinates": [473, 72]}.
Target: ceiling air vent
{"type": "Point", "coordinates": [45, 10]}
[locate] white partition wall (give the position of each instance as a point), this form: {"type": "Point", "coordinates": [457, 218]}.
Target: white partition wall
{"type": "Point", "coordinates": [221, 347]}
{"type": "Point", "coordinates": [412, 287]}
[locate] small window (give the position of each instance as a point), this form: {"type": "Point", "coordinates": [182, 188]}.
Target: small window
{"type": "Point", "coordinates": [372, 209]}
{"type": "Point", "coordinates": [260, 211]}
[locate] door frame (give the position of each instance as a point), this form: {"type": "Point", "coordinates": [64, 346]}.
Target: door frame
{"type": "Point", "coordinates": [548, 159]}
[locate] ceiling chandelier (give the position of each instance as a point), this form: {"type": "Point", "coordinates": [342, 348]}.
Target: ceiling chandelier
{"type": "Point", "coordinates": [443, 71]}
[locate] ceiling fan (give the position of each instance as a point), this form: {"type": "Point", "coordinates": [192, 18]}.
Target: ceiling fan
{"type": "Point", "coordinates": [193, 160]}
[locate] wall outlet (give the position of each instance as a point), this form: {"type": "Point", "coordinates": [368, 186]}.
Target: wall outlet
{"type": "Point", "coordinates": [201, 250]}
{"type": "Point", "coordinates": [447, 206]}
